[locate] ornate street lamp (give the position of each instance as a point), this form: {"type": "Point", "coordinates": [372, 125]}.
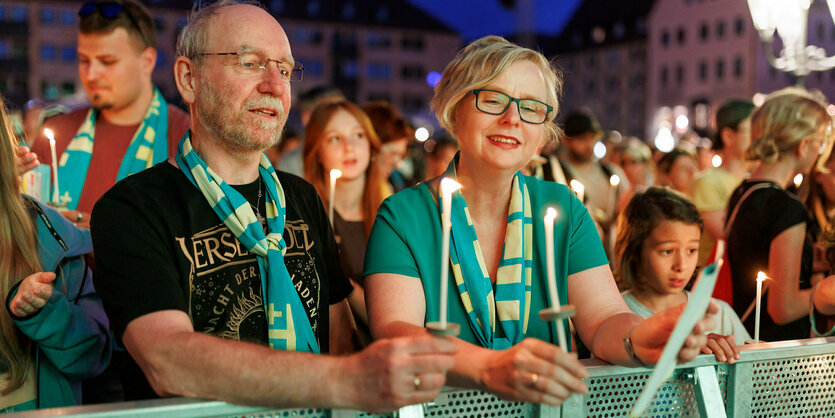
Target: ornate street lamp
{"type": "Point", "coordinates": [789, 19]}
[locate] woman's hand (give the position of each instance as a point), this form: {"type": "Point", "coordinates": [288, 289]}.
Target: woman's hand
{"type": "Point", "coordinates": [32, 294]}
{"type": "Point", "coordinates": [534, 371]}
{"type": "Point", "coordinates": [723, 347]}
{"type": "Point", "coordinates": [650, 336]}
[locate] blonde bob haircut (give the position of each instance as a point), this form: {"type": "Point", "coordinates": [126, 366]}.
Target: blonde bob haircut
{"type": "Point", "coordinates": [785, 118]}
{"type": "Point", "coordinates": [478, 64]}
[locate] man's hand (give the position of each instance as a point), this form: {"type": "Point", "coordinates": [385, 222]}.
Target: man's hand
{"type": "Point", "coordinates": [32, 294]}
{"type": "Point", "coordinates": [26, 160]}
{"type": "Point", "coordinates": [534, 371]}
{"type": "Point", "coordinates": [650, 336]}
{"type": "Point", "coordinates": [395, 372]}
{"type": "Point", "coordinates": [723, 347]}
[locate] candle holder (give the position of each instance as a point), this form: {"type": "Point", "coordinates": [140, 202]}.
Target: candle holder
{"type": "Point", "coordinates": [557, 313]}
{"type": "Point", "coordinates": [443, 330]}
{"type": "Point", "coordinates": [59, 206]}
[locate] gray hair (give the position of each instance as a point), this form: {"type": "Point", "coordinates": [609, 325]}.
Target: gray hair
{"type": "Point", "coordinates": [192, 40]}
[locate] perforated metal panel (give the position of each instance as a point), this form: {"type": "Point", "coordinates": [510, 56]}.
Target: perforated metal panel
{"type": "Point", "coordinates": [794, 387]}
{"type": "Point", "coordinates": [614, 396]}
{"type": "Point", "coordinates": [281, 413]}
{"type": "Point", "coordinates": [471, 404]}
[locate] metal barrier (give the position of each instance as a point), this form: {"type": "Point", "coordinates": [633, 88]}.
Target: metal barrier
{"type": "Point", "coordinates": [786, 379]}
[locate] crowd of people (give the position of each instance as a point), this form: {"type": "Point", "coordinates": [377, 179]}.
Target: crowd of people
{"type": "Point", "coordinates": [199, 257]}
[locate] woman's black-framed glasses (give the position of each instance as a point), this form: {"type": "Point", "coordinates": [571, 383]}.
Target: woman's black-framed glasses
{"type": "Point", "coordinates": [496, 103]}
{"type": "Point", "coordinates": [252, 63]}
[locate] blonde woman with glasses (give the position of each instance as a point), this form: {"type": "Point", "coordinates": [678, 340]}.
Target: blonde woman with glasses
{"type": "Point", "coordinates": [500, 101]}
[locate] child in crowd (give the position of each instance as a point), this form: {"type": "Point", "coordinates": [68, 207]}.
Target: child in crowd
{"type": "Point", "coordinates": [658, 249]}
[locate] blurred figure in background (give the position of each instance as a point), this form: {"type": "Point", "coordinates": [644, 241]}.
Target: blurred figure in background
{"type": "Point", "coordinates": [677, 169]}
{"type": "Point", "coordinates": [713, 187]}
{"type": "Point", "coordinates": [291, 160]}
{"type": "Point", "coordinates": [767, 226]}
{"type": "Point", "coordinates": [395, 134]}
{"type": "Point", "coordinates": [441, 154]}
{"type": "Point", "coordinates": [98, 145]}
{"type": "Point", "coordinates": [636, 162]}
{"type": "Point", "coordinates": [339, 136]}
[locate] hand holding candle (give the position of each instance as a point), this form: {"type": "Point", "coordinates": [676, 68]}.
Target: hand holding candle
{"type": "Point", "coordinates": [55, 190]}
{"type": "Point", "coordinates": [335, 174]}
{"type": "Point", "coordinates": [448, 187]}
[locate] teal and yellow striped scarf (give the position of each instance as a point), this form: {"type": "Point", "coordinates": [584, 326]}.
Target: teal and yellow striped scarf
{"type": "Point", "coordinates": [148, 147]}
{"type": "Point", "coordinates": [288, 327]}
{"type": "Point", "coordinates": [512, 299]}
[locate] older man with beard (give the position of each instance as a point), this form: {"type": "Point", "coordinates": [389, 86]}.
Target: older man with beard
{"type": "Point", "coordinates": [221, 276]}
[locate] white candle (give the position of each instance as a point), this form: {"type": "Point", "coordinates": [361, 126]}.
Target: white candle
{"type": "Point", "coordinates": [55, 193]}
{"type": "Point", "coordinates": [550, 216]}
{"type": "Point", "coordinates": [335, 174]}
{"type": "Point", "coordinates": [760, 277]}
{"type": "Point", "coordinates": [448, 187]}
{"type": "Point", "coordinates": [578, 188]}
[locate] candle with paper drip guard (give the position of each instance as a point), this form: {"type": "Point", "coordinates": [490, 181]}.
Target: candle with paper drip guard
{"type": "Point", "coordinates": [335, 174]}
{"type": "Point", "coordinates": [579, 189]}
{"type": "Point", "coordinates": [442, 327]}
{"type": "Point", "coordinates": [556, 312]}
{"type": "Point", "coordinates": [55, 201]}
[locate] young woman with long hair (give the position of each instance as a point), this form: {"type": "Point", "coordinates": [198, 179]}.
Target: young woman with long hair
{"type": "Point", "coordinates": [54, 325]}
{"type": "Point", "coordinates": [340, 136]}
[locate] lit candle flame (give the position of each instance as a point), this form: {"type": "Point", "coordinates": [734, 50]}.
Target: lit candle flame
{"type": "Point", "coordinates": [578, 188]}
{"type": "Point", "coordinates": [614, 180]}
{"type": "Point", "coordinates": [49, 134]}
{"type": "Point", "coordinates": [336, 173]}
{"type": "Point", "coordinates": [550, 215]}
{"type": "Point", "coordinates": [798, 179]}
{"type": "Point", "coordinates": [761, 276]}
{"type": "Point", "coordinates": [449, 185]}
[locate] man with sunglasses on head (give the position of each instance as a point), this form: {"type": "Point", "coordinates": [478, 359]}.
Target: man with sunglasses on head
{"type": "Point", "coordinates": [221, 276]}
{"type": "Point", "coordinates": [128, 126]}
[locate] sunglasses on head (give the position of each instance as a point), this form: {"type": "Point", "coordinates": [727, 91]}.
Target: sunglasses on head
{"type": "Point", "coordinates": [109, 10]}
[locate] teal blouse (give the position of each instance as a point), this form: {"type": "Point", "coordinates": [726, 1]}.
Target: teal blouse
{"type": "Point", "coordinates": [406, 240]}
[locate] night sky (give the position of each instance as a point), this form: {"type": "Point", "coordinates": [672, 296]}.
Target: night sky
{"type": "Point", "coordinates": [476, 18]}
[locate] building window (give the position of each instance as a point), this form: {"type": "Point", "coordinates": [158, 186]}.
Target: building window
{"type": "Point", "coordinates": [663, 76]}
{"type": "Point", "coordinates": [613, 84]}
{"type": "Point", "coordinates": [703, 70]}
{"type": "Point", "coordinates": [307, 36]}
{"type": "Point", "coordinates": [3, 15]}
{"type": "Point", "coordinates": [313, 67]}
{"type": "Point", "coordinates": [613, 59]}
{"type": "Point", "coordinates": [67, 17]}
{"type": "Point", "coordinates": [412, 72]}
{"type": "Point", "coordinates": [720, 29]}
{"type": "Point", "coordinates": [376, 96]}
{"type": "Point", "coordinates": [349, 11]}
{"type": "Point", "coordinates": [637, 55]}
{"type": "Point", "coordinates": [18, 14]}
{"type": "Point", "coordinates": [313, 8]}
{"type": "Point", "coordinates": [68, 53]}
{"type": "Point", "coordinates": [47, 15]}
{"type": "Point", "coordinates": [704, 32]}
{"type": "Point", "coordinates": [47, 52]}
{"type": "Point", "coordinates": [411, 103]}
{"type": "Point", "coordinates": [378, 71]}
{"type": "Point", "coordinates": [720, 68]}
{"type": "Point", "coordinates": [738, 67]}
{"type": "Point", "coordinates": [412, 43]}
{"type": "Point", "coordinates": [4, 50]}
{"type": "Point", "coordinates": [277, 6]}
{"type": "Point", "coordinates": [382, 14]}
{"type": "Point", "coordinates": [67, 88]}
{"type": "Point", "coordinates": [159, 24]}
{"type": "Point", "coordinates": [591, 62]}
{"type": "Point", "coordinates": [161, 58]}
{"type": "Point", "coordinates": [681, 36]}
{"type": "Point", "coordinates": [665, 38]}
{"type": "Point", "coordinates": [680, 74]}
{"type": "Point", "coordinates": [349, 69]}
{"type": "Point", "coordinates": [378, 40]}
{"type": "Point", "coordinates": [739, 26]}
{"type": "Point", "coordinates": [49, 91]}
{"type": "Point", "coordinates": [637, 81]}
{"type": "Point", "coordinates": [591, 87]}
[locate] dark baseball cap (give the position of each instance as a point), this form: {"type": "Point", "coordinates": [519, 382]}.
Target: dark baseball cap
{"type": "Point", "coordinates": [579, 123]}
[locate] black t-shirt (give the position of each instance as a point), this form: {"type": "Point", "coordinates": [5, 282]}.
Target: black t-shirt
{"type": "Point", "coordinates": [350, 237]}
{"type": "Point", "coordinates": [160, 246]}
{"type": "Point", "coordinates": [762, 216]}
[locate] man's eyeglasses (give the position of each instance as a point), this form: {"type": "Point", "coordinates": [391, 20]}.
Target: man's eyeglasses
{"type": "Point", "coordinates": [111, 10]}
{"type": "Point", "coordinates": [252, 63]}
{"type": "Point", "coordinates": [496, 103]}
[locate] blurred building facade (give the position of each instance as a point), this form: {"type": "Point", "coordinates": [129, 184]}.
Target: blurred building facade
{"type": "Point", "coordinates": [372, 50]}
